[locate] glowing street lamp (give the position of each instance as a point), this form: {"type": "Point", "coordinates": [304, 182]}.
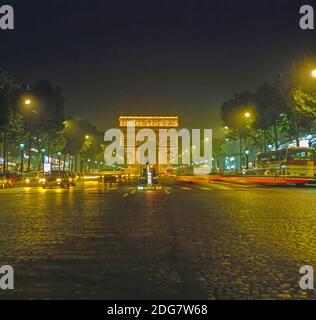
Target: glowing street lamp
{"type": "Point", "coordinates": [22, 146]}
{"type": "Point", "coordinates": [59, 160]}
{"type": "Point", "coordinates": [247, 115]}
{"type": "Point", "coordinates": [313, 73]}
{"type": "Point", "coordinates": [29, 103]}
{"type": "Point", "coordinates": [43, 158]}
{"type": "Point", "coordinates": [247, 158]}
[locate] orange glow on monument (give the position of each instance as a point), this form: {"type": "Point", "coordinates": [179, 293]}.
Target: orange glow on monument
{"type": "Point", "coordinates": [155, 140]}
{"type": "Point", "coordinates": [151, 121]}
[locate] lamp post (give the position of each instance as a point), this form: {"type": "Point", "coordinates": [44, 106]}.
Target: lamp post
{"type": "Point", "coordinates": [247, 159]}
{"type": "Point", "coordinates": [43, 158]}
{"type": "Point", "coordinates": [22, 146]}
{"type": "Point", "coordinates": [59, 160]}
{"type": "Point", "coordinates": [28, 103]}
{"type": "Point", "coordinates": [29, 154]}
{"type": "Point", "coordinates": [5, 151]}
{"type": "Point", "coordinates": [247, 115]}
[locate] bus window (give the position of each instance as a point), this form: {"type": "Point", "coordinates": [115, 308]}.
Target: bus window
{"type": "Point", "coordinates": [265, 157]}
{"type": "Point", "coordinates": [307, 155]}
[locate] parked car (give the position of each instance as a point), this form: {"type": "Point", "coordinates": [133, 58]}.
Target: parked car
{"type": "Point", "coordinates": [2, 182]}
{"type": "Point", "coordinates": [57, 179]}
{"type": "Point", "coordinates": [10, 179]}
{"type": "Point", "coordinates": [33, 179]}
{"type": "Point", "coordinates": [72, 179]}
{"type": "Point", "coordinates": [111, 178]}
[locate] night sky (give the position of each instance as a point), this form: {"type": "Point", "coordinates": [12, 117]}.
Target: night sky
{"type": "Point", "coordinates": [155, 56]}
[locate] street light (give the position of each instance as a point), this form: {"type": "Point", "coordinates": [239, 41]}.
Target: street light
{"type": "Point", "coordinates": [59, 160]}
{"type": "Point", "coordinates": [247, 115]}
{"type": "Point", "coordinates": [313, 73]}
{"type": "Point", "coordinates": [247, 159]}
{"type": "Point", "coordinates": [22, 146]}
{"type": "Point", "coordinates": [28, 102]}
{"type": "Point", "coordinates": [43, 158]}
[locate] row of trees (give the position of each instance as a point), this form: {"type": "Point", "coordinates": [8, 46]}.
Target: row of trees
{"type": "Point", "coordinates": [32, 118]}
{"type": "Point", "coordinates": [276, 113]}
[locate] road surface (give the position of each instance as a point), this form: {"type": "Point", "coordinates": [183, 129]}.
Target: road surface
{"type": "Point", "coordinates": [186, 241]}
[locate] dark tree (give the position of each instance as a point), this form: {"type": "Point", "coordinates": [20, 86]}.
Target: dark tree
{"type": "Point", "coordinates": [270, 105]}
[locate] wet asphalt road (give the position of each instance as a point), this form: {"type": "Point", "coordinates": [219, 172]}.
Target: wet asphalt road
{"type": "Point", "coordinates": [110, 241]}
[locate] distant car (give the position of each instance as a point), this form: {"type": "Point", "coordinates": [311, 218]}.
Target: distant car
{"type": "Point", "coordinates": [57, 179]}
{"type": "Point", "coordinates": [110, 178]}
{"type": "Point", "coordinates": [11, 179]}
{"type": "Point", "coordinates": [34, 179]}
{"type": "Point", "coordinates": [73, 179]}
{"type": "Point", "coordinates": [148, 179]}
{"type": "Point", "coordinates": [2, 182]}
